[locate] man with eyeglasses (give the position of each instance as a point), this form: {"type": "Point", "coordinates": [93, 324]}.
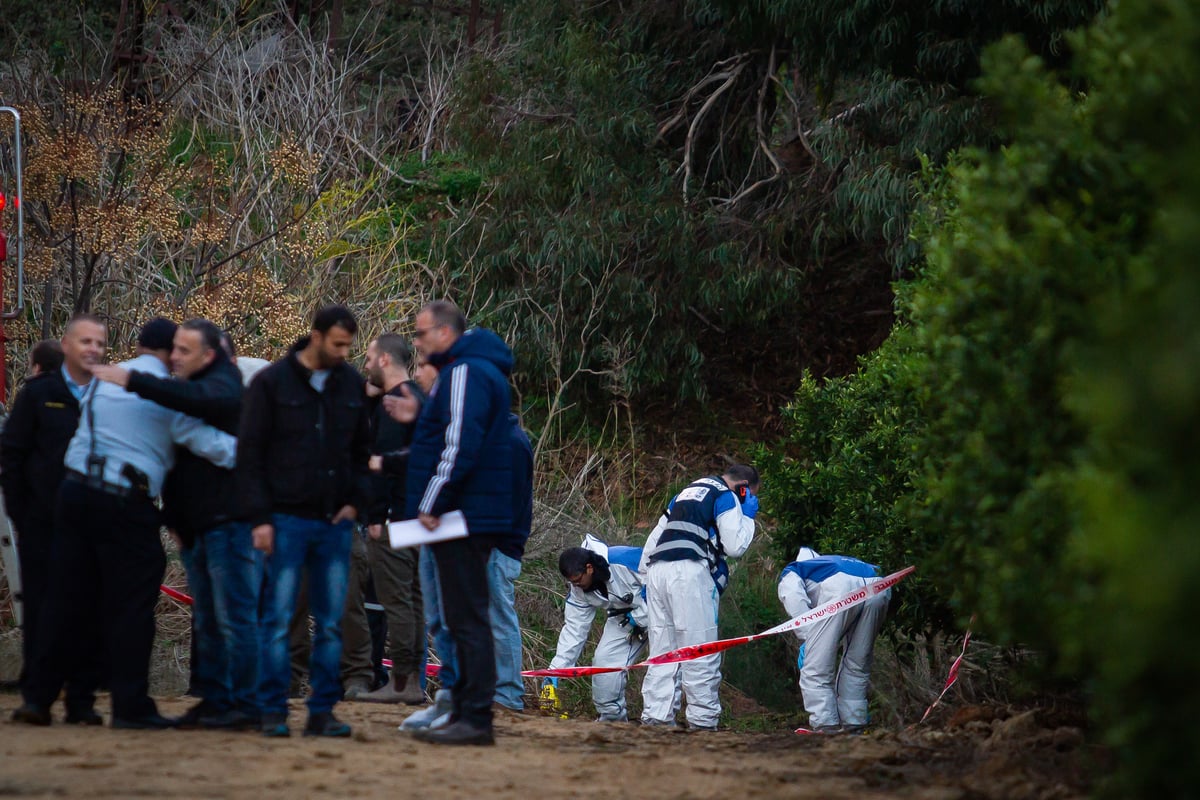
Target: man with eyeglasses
{"type": "Point", "coordinates": [606, 578]}
{"type": "Point", "coordinates": [460, 459]}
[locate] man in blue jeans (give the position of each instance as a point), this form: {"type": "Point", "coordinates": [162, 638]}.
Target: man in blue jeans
{"type": "Point", "coordinates": [224, 571]}
{"type": "Point", "coordinates": [504, 567]}
{"type": "Point", "coordinates": [302, 478]}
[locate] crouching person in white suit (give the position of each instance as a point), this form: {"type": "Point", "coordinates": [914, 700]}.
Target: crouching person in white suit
{"type": "Point", "coordinates": [835, 696]}
{"type": "Point", "coordinates": [606, 578]}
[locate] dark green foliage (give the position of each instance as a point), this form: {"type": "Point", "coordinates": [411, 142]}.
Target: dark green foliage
{"type": "Point", "coordinates": [1043, 464]}
{"type": "Point", "coordinates": [840, 480]}
{"type": "Point", "coordinates": [615, 277]}
{"type": "Point", "coordinates": [1139, 390]}
{"type": "Point", "coordinates": [766, 669]}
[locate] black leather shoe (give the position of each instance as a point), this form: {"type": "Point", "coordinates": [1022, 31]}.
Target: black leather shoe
{"type": "Point", "coordinates": [149, 722]}
{"type": "Point", "coordinates": [32, 715]}
{"type": "Point", "coordinates": [457, 732]}
{"type": "Point", "coordinates": [83, 716]}
{"type": "Point", "coordinates": [234, 720]}
{"type": "Point", "coordinates": [197, 716]}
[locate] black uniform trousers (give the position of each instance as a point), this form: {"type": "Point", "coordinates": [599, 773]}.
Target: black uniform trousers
{"type": "Point", "coordinates": [107, 556]}
{"type": "Point", "coordinates": [35, 537]}
{"type": "Point", "coordinates": [463, 582]}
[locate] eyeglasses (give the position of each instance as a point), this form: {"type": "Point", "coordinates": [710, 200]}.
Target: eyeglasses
{"type": "Point", "coordinates": [418, 333]}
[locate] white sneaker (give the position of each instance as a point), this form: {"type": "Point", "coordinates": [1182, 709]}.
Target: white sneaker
{"type": "Point", "coordinates": [433, 716]}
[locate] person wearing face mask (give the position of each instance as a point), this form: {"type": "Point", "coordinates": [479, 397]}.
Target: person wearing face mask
{"type": "Point", "coordinates": [684, 568]}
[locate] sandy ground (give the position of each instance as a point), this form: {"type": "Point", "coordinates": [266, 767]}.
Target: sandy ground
{"type": "Point", "coordinates": [982, 753]}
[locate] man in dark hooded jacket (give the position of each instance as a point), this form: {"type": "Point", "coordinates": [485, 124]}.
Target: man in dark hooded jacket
{"type": "Point", "coordinates": [460, 460]}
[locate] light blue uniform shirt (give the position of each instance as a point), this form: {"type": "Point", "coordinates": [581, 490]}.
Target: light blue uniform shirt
{"type": "Point", "coordinates": [130, 430]}
{"type": "Point", "coordinates": [75, 388]}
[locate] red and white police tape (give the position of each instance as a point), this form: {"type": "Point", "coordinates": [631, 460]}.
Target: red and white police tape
{"type": "Point", "coordinates": [690, 652]}
{"type": "Point", "coordinates": [175, 594]}
{"type": "Point", "coordinates": [952, 678]}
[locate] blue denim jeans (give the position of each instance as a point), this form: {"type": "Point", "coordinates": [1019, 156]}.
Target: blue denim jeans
{"type": "Point", "coordinates": [503, 572]}
{"type": "Point", "coordinates": [324, 551]}
{"type": "Point", "coordinates": [224, 574]}
{"type": "Point", "coordinates": [434, 625]}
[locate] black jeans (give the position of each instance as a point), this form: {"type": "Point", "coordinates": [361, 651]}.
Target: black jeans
{"type": "Point", "coordinates": [107, 556]}
{"type": "Point", "coordinates": [463, 575]}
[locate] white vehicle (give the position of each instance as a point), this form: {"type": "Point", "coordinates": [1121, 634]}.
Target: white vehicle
{"type": "Point", "coordinates": [9, 562]}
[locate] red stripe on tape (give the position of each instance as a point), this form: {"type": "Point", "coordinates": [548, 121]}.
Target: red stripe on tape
{"type": "Point", "coordinates": [570, 672]}
{"type": "Point", "coordinates": [694, 651]}
{"type": "Point", "coordinates": [175, 594]}
{"type": "Point", "coordinates": [951, 678]}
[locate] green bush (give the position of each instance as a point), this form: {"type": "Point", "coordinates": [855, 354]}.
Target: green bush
{"type": "Point", "coordinates": [1045, 475]}
{"type": "Point", "coordinates": [839, 480]}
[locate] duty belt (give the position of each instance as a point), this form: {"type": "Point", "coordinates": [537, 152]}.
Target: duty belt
{"type": "Point", "coordinates": [114, 489]}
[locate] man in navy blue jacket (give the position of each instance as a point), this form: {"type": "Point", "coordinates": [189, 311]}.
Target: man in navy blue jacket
{"type": "Point", "coordinates": [504, 567]}
{"type": "Point", "coordinates": [461, 460]}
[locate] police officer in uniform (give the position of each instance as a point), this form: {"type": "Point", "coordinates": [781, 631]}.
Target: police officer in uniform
{"type": "Point", "coordinates": [35, 438]}
{"type": "Point", "coordinates": [107, 551]}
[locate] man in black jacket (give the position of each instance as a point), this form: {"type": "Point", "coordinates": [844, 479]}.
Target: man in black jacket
{"type": "Point", "coordinates": [302, 478]}
{"type": "Point", "coordinates": [43, 420]}
{"type": "Point", "coordinates": [397, 586]}
{"type": "Point", "coordinates": [223, 568]}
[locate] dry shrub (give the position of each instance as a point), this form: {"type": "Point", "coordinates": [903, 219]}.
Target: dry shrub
{"type": "Point", "coordinates": [911, 670]}
{"type": "Point", "coordinates": [170, 663]}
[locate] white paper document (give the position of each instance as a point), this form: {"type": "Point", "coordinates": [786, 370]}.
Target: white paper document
{"type": "Point", "coordinates": [411, 532]}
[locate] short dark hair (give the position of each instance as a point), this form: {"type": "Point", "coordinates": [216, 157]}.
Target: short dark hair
{"type": "Point", "coordinates": [227, 343]}
{"type": "Point", "coordinates": [83, 316]}
{"type": "Point", "coordinates": [396, 346]}
{"type": "Point", "coordinates": [446, 313]}
{"type": "Point", "coordinates": [573, 561]}
{"type": "Point", "coordinates": [210, 334]}
{"type": "Point", "coordinates": [743, 472]}
{"type": "Point", "coordinates": [47, 355]}
{"type": "Point", "coordinates": [337, 315]}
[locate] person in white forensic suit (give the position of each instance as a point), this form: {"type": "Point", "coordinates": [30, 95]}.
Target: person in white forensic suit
{"type": "Point", "coordinates": [605, 578]}
{"type": "Point", "coordinates": [835, 696]}
{"type": "Point", "coordinates": [685, 571]}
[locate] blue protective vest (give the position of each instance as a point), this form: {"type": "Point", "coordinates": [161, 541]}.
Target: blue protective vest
{"type": "Point", "coordinates": [822, 567]}
{"type": "Point", "coordinates": [690, 533]}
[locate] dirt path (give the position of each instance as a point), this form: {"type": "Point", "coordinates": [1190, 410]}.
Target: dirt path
{"type": "Point", "coordinates": [541, 757]}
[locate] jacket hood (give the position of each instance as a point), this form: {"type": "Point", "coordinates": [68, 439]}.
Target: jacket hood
{"type": "Point", "coordinates": [477, 344]}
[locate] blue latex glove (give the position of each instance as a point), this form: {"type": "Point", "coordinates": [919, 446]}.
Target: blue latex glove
{"type": "Point", "coordinates": [800, 657]}
{"type": "Point", "coordinates": [550, 682]}
{"type": "Point", "coordinates": [750, 506]}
